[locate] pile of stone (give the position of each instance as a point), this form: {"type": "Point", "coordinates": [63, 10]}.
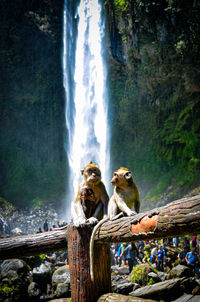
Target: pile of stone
{"type": "Point", "coordinates": [35, 278]}
{"type": "Point", "coordinates": [177, 285]}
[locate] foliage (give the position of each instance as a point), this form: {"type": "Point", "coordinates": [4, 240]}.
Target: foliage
{"type": "Point", "coordinates": [151, 281]}
{"type": "Point", "coordinates": [140, 273]}
{"type": "Point", "coordinates": [156, 107]}
{"type": "Point", "coordinates": [42, 257]}
{"type": "Point", "coordinates": [33, 162]}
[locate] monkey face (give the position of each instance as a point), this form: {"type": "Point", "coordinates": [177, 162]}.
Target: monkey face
{"type": "Point", "coordinates": [87, 194]}
{"type": "Point", "coordinates": [115, 179]}
{"type": "Point", "coordinates": [121, 177]}
{"type": "Point", "coordinates": [93, 175]}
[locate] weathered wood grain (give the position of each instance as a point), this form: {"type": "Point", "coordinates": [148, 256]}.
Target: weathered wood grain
{"type": "Point", "coordinates": [33, 244]}
{"type": "Point", "coordinates": [82, 288]}
{"type": "Point", "coordinates": [177, 218]}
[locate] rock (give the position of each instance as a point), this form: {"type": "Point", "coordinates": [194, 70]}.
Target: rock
{"type": "Point", "coordinates": [154, 276]}
{"type": "Point", "coordinates": [135, 286]}
{"type": "Point", "coordinates": [165, 290]}
{"type": "Point", "coordinates": [162, 276]}
{"type": "Point", "coordinates": [49, 289]}
{"type": "Point", "coordinates": [179, 271]}
{"type": "Point", "coordinates": [188, 285]}
{"type": "Point", "coordinates": [62, 300]}
{"type": "Point", "coordinates": [13, 280]}
{"type": "Point", "coordinates": [34, 290]}
{"type": "Point", "coordinates": [116, 278]}
{"type": "Point", "coordinates": [196, 290]}
{"type": "Point", "coordinates": [16, 231]}
{"type": "Point", "coordinates": [42, 273]}
{"type": "Point", "coordinates": [112, 297]}
{"type": "Point", "coordinates": [120, 270]}
{"type": "Point", "coordinates": [187, 298]}
{"type": "Point", "coordinates": [11, 276]}
{"type": "Point", "coordinates": [63, 290]}
{"type": "Point", "coordinates": [140, 273]}
{"type": "Point", "coordinates": [13, 264]}
{"type": "Point", "coordinates": [123, 288]}
{"type": "Point", "coordinates": [61, 275]}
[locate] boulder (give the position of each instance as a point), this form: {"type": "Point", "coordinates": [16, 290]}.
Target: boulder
{"type": "Point", "coordinates": [120, 270]}
{"type": "Point", "coordinates": [42, 273]}
{"type": "Point", "coordinates": [62, 300]}
{"type": "Point", "coordinates": [140, 273]}
{"type": "Point", "coordinates": [196, 290]}
{"type": "Point", "coordinates": [166, 290]}
{"type": "Point", "coordinates": [63, 290]}
{"type": "Point", "coordinates": [154, 276]}
{"type": "Point", "coordinates": [188, 298]}
{"type": "Point", "coordinates": [13, 264]}
{"type": "Point", "coordinates": [13, 280]}
{"type": "Point", "coordinates": [112, 297]}
{"type": "Point", "coordinates": [11, 276]}
{"type": "Point", "coordinates": [116, 278]}
{"type": "Point", "coordinates": [123, 288]}
{"type": "Point", "coordinates": [162, 276]}
{"type": "Point", "coordinates": [34, 290]}
{"type": "Point", "coordinates": [179, 271]}
{"type": "Point", "coordinates": [187, 285]}
{"type": "Point", "coordinates": [61, 275]}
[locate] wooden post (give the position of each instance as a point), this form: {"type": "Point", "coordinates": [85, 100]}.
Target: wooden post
{"type": "Point", "coordinates": [82, 288]}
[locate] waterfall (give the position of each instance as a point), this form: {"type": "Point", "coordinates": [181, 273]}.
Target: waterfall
{"type": "Point", "coordinates": [84, 79]}
{"type": "Point", "coordinates": [4, 228]}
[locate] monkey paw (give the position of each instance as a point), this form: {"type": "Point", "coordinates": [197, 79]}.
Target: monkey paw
{"type": "Point", "coordinates": [79, 222]}
{"type": "Point", "coordinates": [92, 220]}
{"type": "Point", "coordinates": [132, 213]}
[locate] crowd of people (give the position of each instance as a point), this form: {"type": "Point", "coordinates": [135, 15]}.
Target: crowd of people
{"type": "Point", "coordinates": [157, 253]}
{"type": "Point", "coordinates": [131, 254]}
{"type": "Point", "coordinates": [46, 227]}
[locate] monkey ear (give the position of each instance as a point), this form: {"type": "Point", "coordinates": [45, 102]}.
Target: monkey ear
{"type": "Point", "coordinates": [128, 175]}
{"type": "Point", "coordinates": [82, 171]}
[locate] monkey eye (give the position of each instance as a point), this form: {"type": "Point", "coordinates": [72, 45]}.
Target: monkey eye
{"type": "Point", "coordinates": [114, 174]}
{"type": "Point", "coordinates": [89, 171]}
{"type": "Point", "coordinates": [128, 175]}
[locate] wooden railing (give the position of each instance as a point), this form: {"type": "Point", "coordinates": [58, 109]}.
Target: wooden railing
{"type": "Point", "coordinates": [177, 218]}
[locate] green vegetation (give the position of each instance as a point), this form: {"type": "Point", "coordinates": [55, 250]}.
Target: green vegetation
{"type": "Point", "coordinates": [33, 161]}
{"type": "Point", "coordinates": [140, 273]}
{"type": "Point", "coordinates": [155, 95]}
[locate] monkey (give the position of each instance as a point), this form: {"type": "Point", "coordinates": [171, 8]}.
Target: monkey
{"type": "Point", "coordinates": [88, 201]}
{"type": "Point", "coordinates": [125, 196]}
{"type": "Point", "coordinates": [97, 209]}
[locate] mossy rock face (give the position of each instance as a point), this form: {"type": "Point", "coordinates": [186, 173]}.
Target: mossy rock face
{"type": "Point", "coordinates": [13, 286]}
{"type": "Point", "coordinates": [13, 280]}
{"type": "Point", "coordinates": [140, 273]}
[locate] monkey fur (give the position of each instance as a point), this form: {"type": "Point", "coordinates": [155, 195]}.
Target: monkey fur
{"type": "Point", "coordinates": [96, 209]}
{"type": "Point", "coordinates": [88, 201]}
{"type": "Point", "coordinates": [124, 197]}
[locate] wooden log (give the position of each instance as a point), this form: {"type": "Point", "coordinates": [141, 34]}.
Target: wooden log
{"type": "Point", "coordinates": [82, 288]}
{"type": "Point", "coordinates": [177, 218]}
{"type": "Point", "coordinates": [33, 244]}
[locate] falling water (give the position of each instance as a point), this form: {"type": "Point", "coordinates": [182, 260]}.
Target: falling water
{"type": "Point", "coordinates": [84, 74]}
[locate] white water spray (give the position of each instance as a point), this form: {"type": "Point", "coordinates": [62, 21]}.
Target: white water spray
{"type": "Point", "coordinates": [87, 103]}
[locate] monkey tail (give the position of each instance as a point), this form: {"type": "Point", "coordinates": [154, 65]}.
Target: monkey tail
{"type": "Point", "coordinates": [92, 246]}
